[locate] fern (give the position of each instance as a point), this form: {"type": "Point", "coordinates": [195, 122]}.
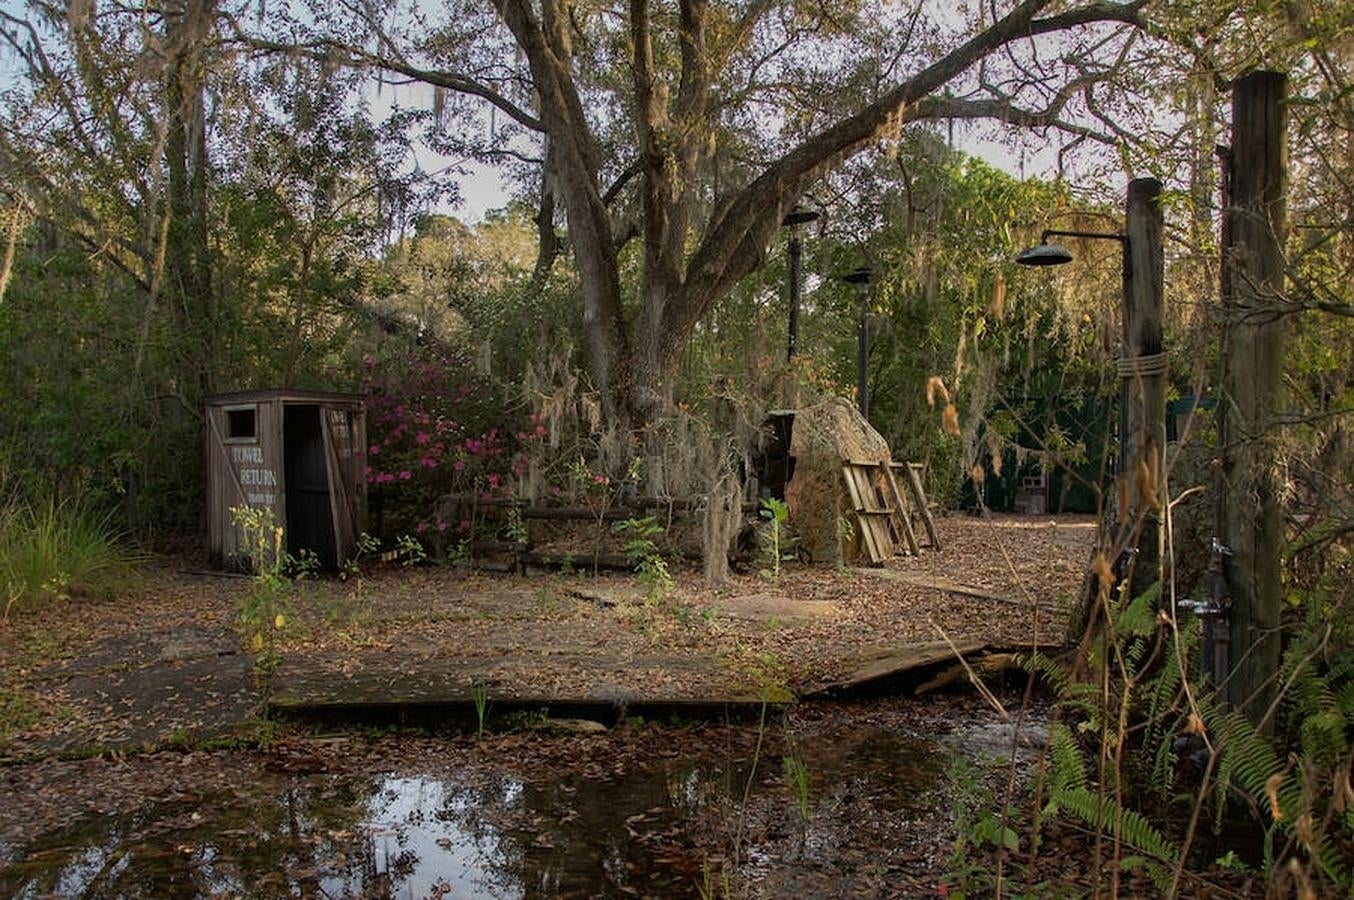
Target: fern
{"type": "Point", "coordinates": [1139, 617]}
{"type": "Point", "coordinates": [1067, 766]}
{"type": "Point", "coordinates": [1132, 827]}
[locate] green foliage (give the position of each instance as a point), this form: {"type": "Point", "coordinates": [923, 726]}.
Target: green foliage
{"type": "Point", "coordinates": [796, 773]}
{"type": "Point", "coordinates": [440, 442]}
{"type": "Point", "coordinates": [409, 550]}
{"type": "Point", "coordinates": [18, 712]}
{"type": "Point", "coordinates": [479, 695]}
{"type": "Point", "coordinates": [53, 549]}
{"type": "Point", "coordinates": [642, 552]}
{"type": "Point", "coordinates": [977, 825]}
{"type": "Point", "coordinates": [1144, 692]}
{"type": "Point", "coordinates": [775, 512]}
{"type": "Point", "coordinates": [265, 610]}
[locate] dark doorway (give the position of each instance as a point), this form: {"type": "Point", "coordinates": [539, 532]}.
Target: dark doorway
{"type": "Point", "coordinates": [310, 521]}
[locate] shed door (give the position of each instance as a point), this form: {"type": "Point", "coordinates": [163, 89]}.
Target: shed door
{"type": "Point", "coordinates": [310, 523]}
{"type": "Point", "coordinates": [345, 478]}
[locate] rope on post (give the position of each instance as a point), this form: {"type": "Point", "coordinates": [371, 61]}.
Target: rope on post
{"type": "Point", "coordinates": [1142, 366]}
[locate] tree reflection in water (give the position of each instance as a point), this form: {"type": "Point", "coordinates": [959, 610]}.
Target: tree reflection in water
{"type": "Point", "coordinates": [483, 836]}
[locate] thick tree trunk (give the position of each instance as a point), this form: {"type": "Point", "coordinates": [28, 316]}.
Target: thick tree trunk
{"type": "Point", "coordinates": [633, 369]}
{"type": "Point", "coordinates": [188, 270]}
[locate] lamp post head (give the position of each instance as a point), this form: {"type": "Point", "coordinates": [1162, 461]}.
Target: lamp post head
{"type": "Point", "coordinates": [800, 216]}
{"type": "Point", "coordinates": [1044, 255]}
{"type": "Point", "coordinates": [859, 276]}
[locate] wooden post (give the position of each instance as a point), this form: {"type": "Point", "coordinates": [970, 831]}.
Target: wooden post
{"type": "Point", "coordinates": [1254, 227]}
{"type": "Point", "coordinates": [1142, 370]}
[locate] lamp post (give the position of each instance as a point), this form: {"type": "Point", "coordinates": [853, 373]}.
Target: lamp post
{"type": "Point", "coordinates": [793, 220]}
{"type": "Point", "coordinates": [861, 279]}
{"type": "Point", "coordinates": [1142, 372]}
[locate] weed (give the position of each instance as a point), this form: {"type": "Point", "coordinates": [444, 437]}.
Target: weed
{"type": "Point", "coordinates": [17, 712]}
{"type": "Point", "coordinates": [515, 528]}
{"type": "Point", "coordinates": [265, 609]}
{"type": "Point", "coordinates": [54, 549]}
{"type": "Point", "coordinates": [479, 695]}
{"type": "Point", "coordinates": [797, 777]}
{"type": "Point", "coordinates": [545, 599]}
{"type": "Point", "coordinates": [409, 550]}
{"type": "Point", "coordinates": [352, 566]}
{"type": "Point", "coordinates": [642, 552]}
{"type": "Point", "coordinates": [776, 512]}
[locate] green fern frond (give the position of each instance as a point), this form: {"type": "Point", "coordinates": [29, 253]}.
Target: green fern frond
{"type": "Point", "coordinates": [1101, 814]}
{"type": "Point", "coordinates": [1139, 617]}
{"type": "Point", "coordinates": [1067, 765]}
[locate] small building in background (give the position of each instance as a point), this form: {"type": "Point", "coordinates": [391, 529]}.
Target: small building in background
{"type": "Point", "coordinates": [300, 454]}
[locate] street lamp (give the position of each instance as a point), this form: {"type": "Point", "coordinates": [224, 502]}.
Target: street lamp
{"type": "Point", "coordinates": [861, 279]}
{"type": "Point", "coordinates": [1046, 254]}
{"type": "Point", "coordinates": [1142, 367]}
{"type": "Point", "coordinates": [793, 220]}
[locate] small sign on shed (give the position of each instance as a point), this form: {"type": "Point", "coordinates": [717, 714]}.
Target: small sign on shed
{"type": "Point", "coordinates": [298, 453]}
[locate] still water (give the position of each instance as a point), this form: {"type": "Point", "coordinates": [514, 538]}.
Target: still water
{"type": "Point", "coordinates": [662, 831]}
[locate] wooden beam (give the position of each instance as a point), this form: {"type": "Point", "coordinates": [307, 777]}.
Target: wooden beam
{"type": "Point", "coordinates": [1255, 225]}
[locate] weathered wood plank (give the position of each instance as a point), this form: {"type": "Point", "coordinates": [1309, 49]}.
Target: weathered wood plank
{"type": "Point", "coordinates": [883, 664]}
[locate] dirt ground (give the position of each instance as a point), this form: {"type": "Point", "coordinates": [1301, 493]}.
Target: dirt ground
{"type": "Point", "coordinates": [164, 663]}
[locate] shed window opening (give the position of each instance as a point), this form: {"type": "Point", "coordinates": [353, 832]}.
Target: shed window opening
{"type": "Point", "coordinates": [241, 424]}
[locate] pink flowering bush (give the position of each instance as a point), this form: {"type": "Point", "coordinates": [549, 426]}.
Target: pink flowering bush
{"type": "Point", "coordinates": [435, 427]}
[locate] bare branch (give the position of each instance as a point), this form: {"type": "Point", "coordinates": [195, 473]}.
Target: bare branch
{"type": "Point", "coordinates": [355, 57]}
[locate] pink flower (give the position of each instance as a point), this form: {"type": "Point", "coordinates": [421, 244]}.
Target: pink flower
{"type": "Point", "coordinates": [494, 479]}
{"type": "Point", "coordinates": [428, 462]}
{"type": "Point", "coordinates": [405, 475]}
{"type": "Point", "coordinates": [442, 526]}
{"type": "Point", "coordinates": [421, 527]}
{"type": "Point", "coordinates": [423, 437]}
{"type": "Point", "coordinates": [384, 478]}
{"type": "Point", "coordinates": [464, 526]}
{"type": "Point", "coordinates": [459, 465]}
{"type": "Point", "coordinates": [540, 431]}
{"type": "Point", "coordinates": [473, 445]}
{"type": "Point", "coordinates": [374, 450]}
{"type": "Point", "coordinates": [600, 479]}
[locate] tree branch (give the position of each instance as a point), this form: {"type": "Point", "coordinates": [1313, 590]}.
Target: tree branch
{"type": "Point", "coordinates": [357, 58]}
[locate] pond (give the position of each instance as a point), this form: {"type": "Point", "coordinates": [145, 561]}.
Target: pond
{"type": "Point", "coordinates": [671, 829]}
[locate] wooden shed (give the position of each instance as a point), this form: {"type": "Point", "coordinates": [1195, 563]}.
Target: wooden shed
{"type": "Point", "coordinates": [300, 453]}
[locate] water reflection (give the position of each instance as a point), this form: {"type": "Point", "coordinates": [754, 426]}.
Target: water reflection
{"type": "Point", "coordinates": [416, 836]}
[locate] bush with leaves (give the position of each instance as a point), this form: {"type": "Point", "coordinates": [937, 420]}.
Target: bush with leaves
{"type": "Point", "coordinates": [436, 428]}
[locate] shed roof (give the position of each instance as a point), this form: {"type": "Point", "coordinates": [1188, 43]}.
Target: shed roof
{"type": "Point", "coordinates": [286, 395]}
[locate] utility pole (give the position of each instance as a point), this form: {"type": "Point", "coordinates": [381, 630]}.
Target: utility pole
{"type": "Point", "coordinates": [1250, 520]}
{"type": "Point", "coordinates": [861, 279]}
{"type": "Point", "coordinates": [793, 220]}
{"type": "Point", "coordinates": [1142, 385]}
{"type": "Point", "coordinates": [1142, 374]}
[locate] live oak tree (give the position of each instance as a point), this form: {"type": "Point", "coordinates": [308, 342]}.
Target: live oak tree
{"type": "Point", "coordinates": [694, 127]}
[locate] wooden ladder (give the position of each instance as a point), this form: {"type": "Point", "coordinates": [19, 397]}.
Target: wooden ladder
{"type": "Point", "coordinates": [880, 511]}
{"type": "Point", "coordinates": [913, 472]}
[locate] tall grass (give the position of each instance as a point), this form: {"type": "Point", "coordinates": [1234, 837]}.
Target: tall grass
{"type": "Point", "coordinates": [58, 548]}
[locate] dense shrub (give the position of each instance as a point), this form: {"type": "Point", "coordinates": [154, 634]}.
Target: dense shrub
{"type": "Point", "coordinates": [441, 439]}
